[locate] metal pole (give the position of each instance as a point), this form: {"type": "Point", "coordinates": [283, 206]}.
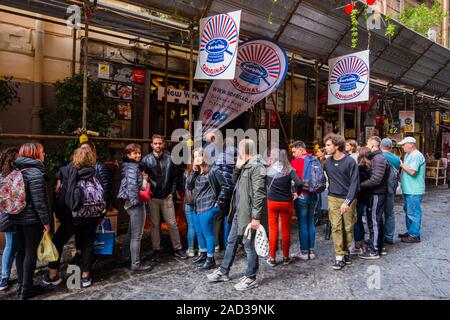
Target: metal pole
{"type": "Point", "coordinates": [342, 120]}
{"type": "Point", "coordinates": [317, 93]}
{"type": "Point", "coordinates": [445, 7]}
{"type": "Point", "coordinates": [191, 81]}
{"type": "Point", "coordinates": [146, 125]}
{"type": "Point", "coordinates": [166, 89]}
{"type": "Point", "coordinates": [85, 66]}
{"type": "Point", "coordinates": [74, 51]}
{"type": "Point", "coordinates": [291, 133]}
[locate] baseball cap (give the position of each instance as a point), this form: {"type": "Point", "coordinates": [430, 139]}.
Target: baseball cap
{"type": "Point", "coordinates": [386, 143]}
{"type": "Point", "coordinates": [408, 140]}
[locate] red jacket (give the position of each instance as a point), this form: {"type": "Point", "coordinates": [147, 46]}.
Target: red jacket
{"type": "Point", "coordinates": [298, 164]}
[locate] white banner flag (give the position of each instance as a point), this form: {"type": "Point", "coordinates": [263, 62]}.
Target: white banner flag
{"type": "Point", "coordinates": [261, 68]}
{"type": "Point", "coordinates": [219, 39]}
{"type": "Point", "coordinates": [349, 78]}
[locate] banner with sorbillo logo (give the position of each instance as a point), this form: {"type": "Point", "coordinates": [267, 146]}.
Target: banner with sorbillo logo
{"type": "Point", "coordinates": [260, 69]}
{"type": "Point", "coordinates": [219, 39]}
{"type": "Point", "coordinates": [349, 78]}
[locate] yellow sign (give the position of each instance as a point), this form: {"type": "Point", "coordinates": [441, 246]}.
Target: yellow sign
{"type": "Point", "coordinates": [103, 71]}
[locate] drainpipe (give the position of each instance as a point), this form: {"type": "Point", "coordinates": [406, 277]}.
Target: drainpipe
{"type": "Point", "coordinates": [37, 77]}
{"type": "Point", "coordinates": [446, 7]}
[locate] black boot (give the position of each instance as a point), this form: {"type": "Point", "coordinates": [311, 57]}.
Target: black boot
{"type": "Point", "coordinates": [209, 264]}
{"type": "Point", "coordinates": [19, 290]}
{"type": "Point", "coordinates": [200, 259]}
{"type": "Point", "coordinates": [28, 293]}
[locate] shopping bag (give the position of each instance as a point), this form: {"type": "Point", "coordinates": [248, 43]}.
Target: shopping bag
{"type": "Point", "coordinates": [104, 241]}
{"type": "Point", "coordinates": [145, 194]}
{"type": "Point", "coordinates": [261, 240]}
{"type": "Point", "coordinates": [47, 251]}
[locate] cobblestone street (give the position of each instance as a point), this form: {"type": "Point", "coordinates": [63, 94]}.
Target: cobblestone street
{"type": "Point", "coordinates": [409, 271]}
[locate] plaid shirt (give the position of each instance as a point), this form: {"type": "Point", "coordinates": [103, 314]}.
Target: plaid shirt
{"type": "Point", "coordinates": [204, 197]}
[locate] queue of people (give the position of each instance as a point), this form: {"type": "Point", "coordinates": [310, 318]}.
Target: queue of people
{"type": "Point", "coordinates": [227, 194]}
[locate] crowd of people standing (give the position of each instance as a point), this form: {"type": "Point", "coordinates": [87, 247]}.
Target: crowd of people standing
{"type": "Point", "coordinates": [227, 194]}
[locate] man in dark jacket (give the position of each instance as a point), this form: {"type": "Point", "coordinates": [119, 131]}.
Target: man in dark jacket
{"type": "Point", "coordinates": [377, 186]}
{"type": "Point", "coordinates": [248, 205]}
{"type": "Point", "coordinates": [225, 163]}
{"type": "Point", "coordinates": [162, 177]}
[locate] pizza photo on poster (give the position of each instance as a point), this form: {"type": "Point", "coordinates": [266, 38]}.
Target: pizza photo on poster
{"type": "Point", "coordinates": [348, 80]}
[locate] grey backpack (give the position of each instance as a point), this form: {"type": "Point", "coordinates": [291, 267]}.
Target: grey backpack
{"type": "Point", "coordinates": [93, 199]}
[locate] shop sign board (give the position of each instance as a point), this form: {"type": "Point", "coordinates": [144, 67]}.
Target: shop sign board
{"type": "Point", "coordinates": [407, 121]}
{"type": "Point", "coordinates": [261, 68]}
{"type": "Point", "coordinates": [219, 40]}
{"type": "Point", "coordinates": [180, 96]}
{"type": "Point", "coordinates": [348, 79]}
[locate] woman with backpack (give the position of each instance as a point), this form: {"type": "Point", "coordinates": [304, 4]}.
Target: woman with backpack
{"type": "Point", "coordinates": [34, 219]}
{"type": "Point", "coordinates": [7, 158]}
{"type": "Point", "coordinates": [209, 191]}
{"type": "Point", "coordinates": [280, 177]}
{"type": "Point", "coordinates": [131, 183]}
{"type": "Point", "coordinates": [85, 197]}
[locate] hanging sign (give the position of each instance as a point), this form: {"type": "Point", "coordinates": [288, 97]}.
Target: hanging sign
{"type": "Point", "coordinates": [179, 96]}
{"type": "Point", "coordinates": [103, 71]}
{"type": "Point", "coordinates": [348, 79]}
{"type": "Point", "coordinates": [261, 68]}
{"type": "Point", "coordinates": [407, 121]}
{"type": "Point", "coordinates": [219, 38]}
{"type": "Point", "coordinates": [139, 76]}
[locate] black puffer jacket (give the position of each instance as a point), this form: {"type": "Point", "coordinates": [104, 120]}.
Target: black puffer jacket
{"type": "Point", "coordinates": [37, 209]}
{"type": "Point", "coordinates": [130, 182]}
{"type": "Point", "coordinates": [378, 181]}
{"type": "Point", "coordinates": [103, 173]}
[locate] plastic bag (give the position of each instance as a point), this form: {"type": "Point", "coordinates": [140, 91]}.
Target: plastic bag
{"type": "Point", "coordinates": [261, 240]}
{"type": "Point", "coordinates": [47, 251]}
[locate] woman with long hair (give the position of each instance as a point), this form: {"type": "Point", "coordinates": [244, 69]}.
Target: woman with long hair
{"type": "Point", "coordinates": [7, 158]}
{"type": "Point", "coordinates": [34, 220]}
{"type": "Point", "coordinates": [280, 176]}
{"type": "Point", "coordinates": [209, 191]}
{"type": "Point", "coordinates": [85, 197]}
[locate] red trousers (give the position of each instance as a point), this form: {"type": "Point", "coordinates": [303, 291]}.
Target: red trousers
{"type": "Point", "coordinates": [284, 210]}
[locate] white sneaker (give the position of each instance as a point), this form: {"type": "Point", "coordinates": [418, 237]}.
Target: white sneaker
{"type": "Point", "coordinates": [300, 255]}
{"type": "Point", "coordinates": [246, 284]}
{"type": "Point", "coordinates": [218, 276]}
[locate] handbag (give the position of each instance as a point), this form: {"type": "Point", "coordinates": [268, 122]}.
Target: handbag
{"type": "Point", "coordinates": [145, 195]}
{"type": "Point", "coordinates": [261, 241]}
{"type": "Point", "coordinates": [104, 241]}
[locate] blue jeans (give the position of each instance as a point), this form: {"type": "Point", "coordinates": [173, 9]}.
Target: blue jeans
{"type": "Point", "coordinates": [304, 208]}
{"type": "Point", "coordinates": [413, 213]}
{"type": "Point", "coordinates": [204, 228]}
{"type": "Point", "coordinates": [230, 252]}
{"type": "Point", "coordinates": [358, 229]}
{"type": "Point", "coordinates": [9, 254]}
{"type": "Point", "coordinates": [389, 217]}
{"type": "Point", "coordinates": [189, 211]}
